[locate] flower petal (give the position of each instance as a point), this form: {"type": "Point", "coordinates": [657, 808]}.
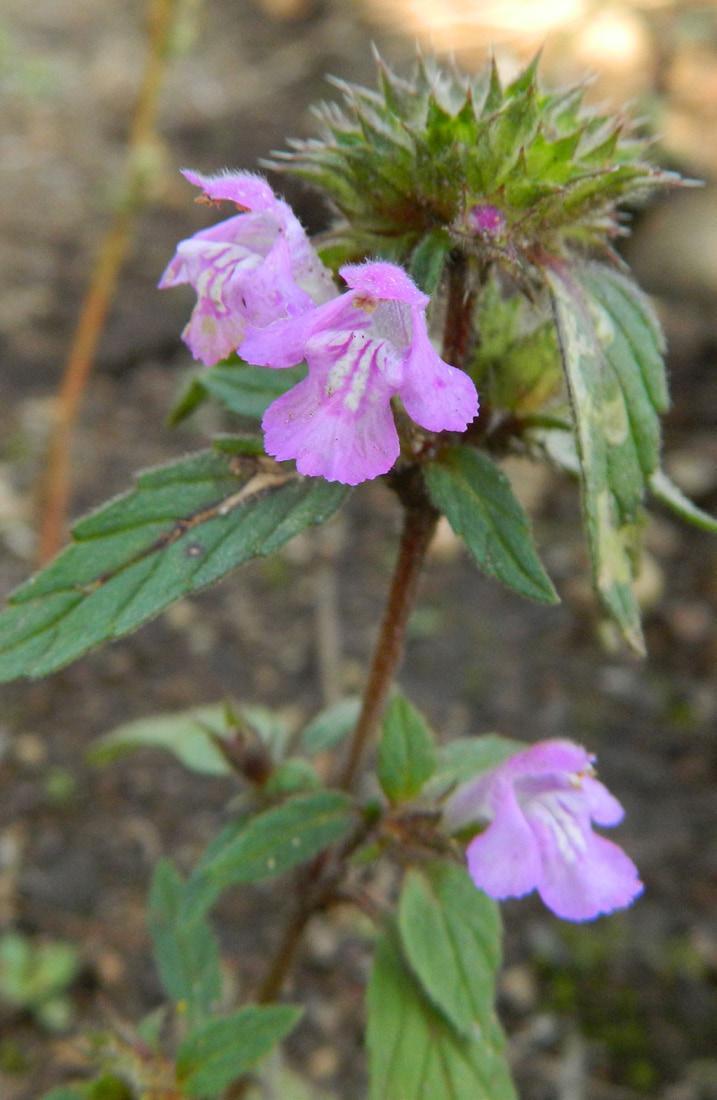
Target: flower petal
{"type": "Point", "coordinates": [211, 336]}
{"type": "Point", "coordinates": [337, 423]}
{"type": "Point", "coordinates": [283, 343]}
{"type": "Point", "coordinates": [604, 808]}
{"type": "Point", "coordinates": [504, 860]}
{"type": "Point", "coordinates": [200, 249]}
{"type": "Point", "coordinates": [384, 281]}
{"type": "Point", "coordinates": [271, 291]}
{"type": "Point", "coordinates": [437, 396]}
{"type": "Point", "coordinates": [280, 344]}
{"type": "Point", "coordinates": [601, 880]}
{"type": "Point", "coordinates": [243, 188]}
{"type": "Point", "coordinates": [549, 757]}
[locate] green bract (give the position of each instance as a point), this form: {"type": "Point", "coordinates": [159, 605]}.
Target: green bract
{"type": "Point", "coordinates": [421, 153]}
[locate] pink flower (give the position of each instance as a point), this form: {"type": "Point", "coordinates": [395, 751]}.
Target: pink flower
{"type": "Point", "coordinates": [363, 348]}
{"type": "Point", "coordinates": [540, 804]}
{"type": "Point", "coordinates": [487, 219]}
{"type": "Point", "coordinates": [253, 267]}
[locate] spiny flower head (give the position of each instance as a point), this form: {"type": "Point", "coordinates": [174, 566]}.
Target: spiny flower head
{"type": "Point", "coordinates": [507, 170]}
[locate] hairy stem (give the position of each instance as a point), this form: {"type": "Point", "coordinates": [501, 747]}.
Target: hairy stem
{"type": "Point", "coordinates": [56, 486]}
{"type": "Point", "coordinates": [458, 325]}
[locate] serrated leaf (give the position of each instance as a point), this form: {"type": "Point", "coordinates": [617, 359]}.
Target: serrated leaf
{"type": "Point", "coordinates": [269, 844]}
{"type": "Point", "coordinates": [238, 445]}
{"type": "Point", "coordinates": [331, 725]}
{"type": "Point", "coordinates": [189, 735]}
{"type": "Point", "coordinates": [414, 1054]}
{"type": "Point", "coordinates": [212, 1057]}
{"type": "Point", "coordinates": [240, 388]}
{"type": "Point", "coordinates": [181, 528]}
{"type": "Point", "coordinates": [673, 498]}
{"type": "Point", "coordinates": [186, 951]}
{"type": "Point", "coordinates": [406, 752]}
{"type": "Point", "coordinates": [478, 502]}
{"type": "Point", "coordinates": [451, 937]}
{"type": "Point", "coordinates": [611, 347]}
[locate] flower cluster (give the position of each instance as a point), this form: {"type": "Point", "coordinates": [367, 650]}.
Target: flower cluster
{"type": "Point", "coordinates": [539, 805]}
{"type": "Point", "coordinates": [262, 290]}
{"type": "Point", "coordinates": [253, 267]}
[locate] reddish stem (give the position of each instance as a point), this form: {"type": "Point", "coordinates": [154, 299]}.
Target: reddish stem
{"type": "Point", "coordinates": [418, 527]}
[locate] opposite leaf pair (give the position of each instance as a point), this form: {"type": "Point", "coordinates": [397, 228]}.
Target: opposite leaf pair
{"type": "Point", "coordinates": [263, 290]}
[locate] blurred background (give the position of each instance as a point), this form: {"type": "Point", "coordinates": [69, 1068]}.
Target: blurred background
{"type": "Point", "coordinates": [623, 1009]}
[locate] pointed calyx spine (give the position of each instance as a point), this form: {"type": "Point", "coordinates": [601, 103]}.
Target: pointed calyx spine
{"type": "Point", "coordinates": [509, 172]}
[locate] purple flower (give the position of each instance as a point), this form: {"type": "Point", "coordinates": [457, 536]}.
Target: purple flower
{"type": "Point", "coordinates": [540, 804]}
{"type": "Point", "coordinates": [363, 348]}
{"type": "Point", "coordinates": [487, 219]}
{"type": "Point", "coordinates": [253, 267]}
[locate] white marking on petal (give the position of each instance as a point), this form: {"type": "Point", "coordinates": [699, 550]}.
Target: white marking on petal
{"type": "Point", "coordinates": [564, 827]}
{"type": "Point", "coordinates": [220, 265]}
{"type": "Point", "coordinates": [343, 364]}
{"type": "Point", "coordinates": [360, 376]}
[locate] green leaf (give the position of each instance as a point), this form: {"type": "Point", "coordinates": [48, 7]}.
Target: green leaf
{"type": "Point", "coordinates": [451, 936]}
{"type": "Point", "coordinates": [185, 950]}
{"type": "Point", "coordinates": [110, 1087]}
{"type": "Point", "coordinates": [270, 727]}
{"type": "Point", "coordinates": [611, 347]}
{"type": "Point", "coordinates": [464, 757]}
{"type": "Point", "coordinates": [292, 775]}
{"type": "Point", "coordinates": [516, 365]}
{"type": "Point", "coordinates": [429, 258]}
{"type": "Point", "coordinates": [331, 725]}
{"type": "Point", "coordinates": [672, 497]}
{"type": "Point", "coordinates": [183, 527]}
{"type": "Point", "coordinates": [478, 502]}
{"type": "Point", "coordinates": [270, 843]}
{"type": "Point", "coordinates": [414, 1053]}
{"type": "Point", "coordinates": [188, 734]}
{"type": "Point", "coordinates": [242, 389]}
{"type": "Point", "coordinates": [406, 752]}
{"type": "Point", "coordinates": [219, 1052]}
{"type": "Point", "coordinates": [192, 735]}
